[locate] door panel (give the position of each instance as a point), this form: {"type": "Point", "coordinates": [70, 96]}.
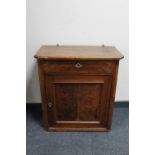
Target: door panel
{"type": "Point", "coordinates": [65, 100]}
{"type": "Point", "coordinates": [77, 103]}
{"type": "Point", "coordinates": [89, 102]}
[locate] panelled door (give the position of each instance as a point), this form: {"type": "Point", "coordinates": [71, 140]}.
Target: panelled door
{"type": "Point", "coordinates": [80, 101]}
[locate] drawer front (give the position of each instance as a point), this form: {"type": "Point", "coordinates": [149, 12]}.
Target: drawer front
{"type": "Point", "coordinates": [78, 67]}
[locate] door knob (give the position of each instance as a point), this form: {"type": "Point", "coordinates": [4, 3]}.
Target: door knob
{"type": "Point", "coordinates": [49, 104]}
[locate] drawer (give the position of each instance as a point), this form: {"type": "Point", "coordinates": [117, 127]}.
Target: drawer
{"type": "Point", "coordinates": [105, 67]}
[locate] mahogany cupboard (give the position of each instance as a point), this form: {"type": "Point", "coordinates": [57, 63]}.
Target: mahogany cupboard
{"type": "Point", "coordinates": [78, 85]}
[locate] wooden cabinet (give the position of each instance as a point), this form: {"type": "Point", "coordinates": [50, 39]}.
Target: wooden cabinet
{"type": "Point", "coordinates": [78, 86]}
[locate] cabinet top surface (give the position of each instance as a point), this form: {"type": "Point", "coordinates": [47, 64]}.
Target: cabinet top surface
{"type": "Point", "coordinates": [50, 52]}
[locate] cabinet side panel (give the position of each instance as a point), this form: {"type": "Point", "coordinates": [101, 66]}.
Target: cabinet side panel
{"type": "Point", "coordinates": [112, 94]}
{"type": "Point", "coordinates": [105, 100]}
{"type": "Point", "coordinates": [43, 93]}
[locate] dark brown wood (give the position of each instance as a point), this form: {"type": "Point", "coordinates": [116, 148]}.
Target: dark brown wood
{"type": "Point", "coordinates": [89, 102]}
{"type": "Point", "coordinates": [112, 94]}
{"type": "Point", "coordinates": [77, 94]}
{"type": "Point", "coordinates": [43, 94]}
{"type": "Point", "coordinates": [65, 95]}
{"type": "Point", "coordinates": [105, 67]}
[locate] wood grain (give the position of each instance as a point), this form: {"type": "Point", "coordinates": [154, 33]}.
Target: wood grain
{"type": "Point", "coordinates": [105, 67]}
{"type": "Point", "coordinates": [78, 53]}
{"type": "Point", "coordinates": [89, 102]}
{"type": "Point", "coordinates": [81, 98]}
{"type": "Point", "coordinates": [79, 101]}
{"type": "Point", "coordinates": [65, 100]}
{"type": "Point", "coordinates": [43, 95]}
{"type": "Point", "coordinates": [112, 95]}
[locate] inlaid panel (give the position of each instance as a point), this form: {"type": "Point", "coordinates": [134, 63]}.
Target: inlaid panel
{"type": "Point", "coordinates": [65, 100]}
{"type": "Point", "coordinates": [89, 102]}
{"type": "Point", "coordinates": [77, 102]}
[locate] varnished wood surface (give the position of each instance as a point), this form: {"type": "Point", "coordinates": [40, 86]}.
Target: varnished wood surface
{"type": "Point", "coordinates": [78, 98]}
{"type": "Point", "coordinates": [112, 95]}
{"type": "Point", "coordinates": [77, 127]}
{"type": "Point", "coordinates": [105, 67]}
{"type": "Point", "coordinates": [43, 95]}
{"type": "Point", "coordinates": [78, 53]}
{"type": "Point", "coordinates": [82, 98]}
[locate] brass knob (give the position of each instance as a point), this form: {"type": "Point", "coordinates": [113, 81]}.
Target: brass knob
{"type": "Point", "coordinates": [78, 65]}
{"type": "Point", "coordinates": [49, 104]}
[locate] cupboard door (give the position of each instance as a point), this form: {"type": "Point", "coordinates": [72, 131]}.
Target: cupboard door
{"type": "Point", "coordinates": [74, 102]}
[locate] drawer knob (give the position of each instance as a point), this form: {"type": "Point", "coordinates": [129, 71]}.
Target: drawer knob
{"type": "Point", "coordinates": [49, 104]}
{"type": "Point", "coordinates": [78, 65]}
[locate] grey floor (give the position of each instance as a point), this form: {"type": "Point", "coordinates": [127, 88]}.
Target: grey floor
{"type": "Point", "coordinates": [40, 142]}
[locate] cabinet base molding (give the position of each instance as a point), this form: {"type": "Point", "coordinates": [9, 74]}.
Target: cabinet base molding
{"type": "Point", "coordinates": [76, 129]}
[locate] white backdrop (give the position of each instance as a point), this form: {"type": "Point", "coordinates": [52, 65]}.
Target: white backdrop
{"type": "Point", "coordinates": [77, 22]}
